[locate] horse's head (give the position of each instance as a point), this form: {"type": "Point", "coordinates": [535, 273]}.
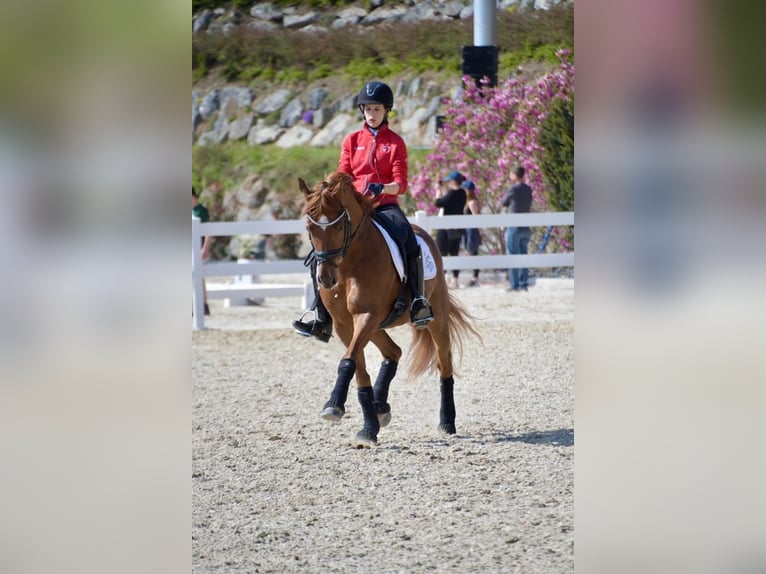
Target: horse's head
{"type": "Point", "coordinates": [334, 211]}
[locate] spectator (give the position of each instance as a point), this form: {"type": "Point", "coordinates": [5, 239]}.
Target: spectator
{"type": "Point", "coordinates": [518, 199]}
{"type": "Point", "coordinates": [200, 212]}
{"type": "Point", "coordinates": [472, 238]}
{"type": "Point", "coordinates": [453, 203]}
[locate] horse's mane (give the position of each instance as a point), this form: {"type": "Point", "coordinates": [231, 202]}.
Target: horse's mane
{"type": "Point", "coordinates": [331, 193]}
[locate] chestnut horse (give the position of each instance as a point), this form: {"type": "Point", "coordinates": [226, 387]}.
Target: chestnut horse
{"type": "Point", "coordinates": [359, 285]}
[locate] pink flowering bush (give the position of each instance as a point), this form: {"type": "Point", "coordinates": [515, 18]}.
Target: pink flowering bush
{"type": "Point", "coordinates": [487, 133]}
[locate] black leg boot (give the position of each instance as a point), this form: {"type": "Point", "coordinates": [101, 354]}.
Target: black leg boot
{"type": "Point", "coordinates": [420, 309]}
{"type": "Point", "coordinates": [321, 326]}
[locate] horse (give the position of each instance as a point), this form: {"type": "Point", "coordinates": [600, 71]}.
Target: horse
{"type": "Point", "coordinates": [359, 285]}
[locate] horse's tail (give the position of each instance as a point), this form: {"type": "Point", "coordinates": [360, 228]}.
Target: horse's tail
{"type": "Point", "coordinates": [423, 349]}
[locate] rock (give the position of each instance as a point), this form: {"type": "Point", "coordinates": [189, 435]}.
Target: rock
{"type": "Point", "coordinates": [273, 102]}
{"type": "Point", "coordinates": [434, 105]}
{"type": "Point", "coordinates": [313, 29]}
{"type": "Point", "coordinates": [430, 134]}
{"type": "Point", "coordinates": [413, 122]}
{"type": "Point", "coordinates": [545, 4]}
{"type": "Point", "coordinates": [296, 135]}
{"type": "Point", "coordinates": [384, 15]}
{"type": "Point", "coordinates": [261, 134]}
{"type": "Point", "coordinates": [466, 12]}
{"type": "Point", "coordinates": [353, 12]}
{"type": "Point", "coordinates": [451, 9]}
{"type": "Point", "coordinates": [201, 22]}
{"type": "Point", "coordinates": [241, 97]}
{"type": "Point", "coordinates": [262, 26]}
{"type": "Point", "coordinates": [414, 87]}
{"type": "Point", "coordinates": [334, 131]}
{"type": "Point", "coordinates": [300, 20]}
{"type": "Point", "coordinates": [316, 97]}
{"type": "Point", "coordinates": [291, 114]}
{"type": "Point", "coordinates": [210, 104]}
{"type": "Point", "coordinates": [266, 11]}
{"type": "Point", "coordinates": [347, 104]}
{"type": "Point", "coordinates": [324, 115]}
{"type": "Point", "coordinates": [240, 127]}
{"type": "Point", "coordinates": [421, 11]}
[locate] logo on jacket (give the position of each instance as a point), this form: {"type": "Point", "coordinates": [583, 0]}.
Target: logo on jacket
{"type": "Point", "coordinates": [385, 148]}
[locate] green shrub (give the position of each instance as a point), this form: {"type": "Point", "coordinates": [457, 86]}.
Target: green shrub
{"type": "Point", "coordinates": [557, 162]}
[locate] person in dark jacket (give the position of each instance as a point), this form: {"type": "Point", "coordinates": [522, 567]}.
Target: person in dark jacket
{"type": "Point", "coordinates": [472, 237]}
{"type": "Point", "coordinates": [452, 202]}
{"type": "Point", "coordinates": [518, 199]}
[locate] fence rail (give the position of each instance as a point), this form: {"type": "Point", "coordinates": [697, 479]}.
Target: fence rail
{"type": "Point", "coordinates": [297, 226]}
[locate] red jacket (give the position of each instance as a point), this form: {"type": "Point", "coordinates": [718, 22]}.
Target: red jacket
{"type": "Point", "coordinates": [375, 159]}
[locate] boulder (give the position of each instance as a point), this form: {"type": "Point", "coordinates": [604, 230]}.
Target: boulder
{"type": "Point", "coordinates": [316, 97]}
{"type": "Point", "coordinates": [300, 20]}
{"type": "Point", "coordinates": [201, 22]}
{"type": "Point", "coordinates": [334, 132]}
{"type": "Point", "coordinates": [384, 15]}
{"type": "Point", "coordinates": [274, 102]}
{"type": "Point", "coordinates": [266, 11]}
{"type": "Point", "coordinates": [261, 134]}
{"type": "Point", "coordinates": [296, 135]}
{"type": "Point", "coordinates": [291, 114]}
{"type": "Point", "coordinates": [210, 104]}
{"type": "Point", "coordinates": [240, 127]}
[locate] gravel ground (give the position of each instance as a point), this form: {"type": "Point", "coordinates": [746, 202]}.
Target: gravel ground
{"type": "Point", "coordinates": [277, 489]}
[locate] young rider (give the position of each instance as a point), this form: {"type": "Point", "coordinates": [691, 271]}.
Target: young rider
{"type": "Point", "coordinates": [376, 157]}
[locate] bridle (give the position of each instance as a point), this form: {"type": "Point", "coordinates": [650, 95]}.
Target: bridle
{"type": "Point", "coordinates": [315, 257]}
{"type": "Point", "coordinates": [348, 237]}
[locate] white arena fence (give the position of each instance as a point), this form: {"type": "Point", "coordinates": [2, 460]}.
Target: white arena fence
{"type": "Point", "coordinates": [305, 289]}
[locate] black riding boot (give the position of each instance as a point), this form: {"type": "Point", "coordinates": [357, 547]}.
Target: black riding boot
{"type": "Point", "coordinates": [420, 310]}
{"type": "Point", "coordinates": [321, 326]}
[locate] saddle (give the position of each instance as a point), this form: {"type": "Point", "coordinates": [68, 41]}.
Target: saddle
{"type": "Point", "coordinates": [398, 254]}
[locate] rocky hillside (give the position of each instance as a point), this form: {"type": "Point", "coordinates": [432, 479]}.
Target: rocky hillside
{"type": "Point", "coordinates": [321, 112]}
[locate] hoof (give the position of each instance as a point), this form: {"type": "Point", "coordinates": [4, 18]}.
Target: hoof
{"type": "Point", "coordinates": [447, 428]}
{"type": "Point", "coordinates": [365, 439]}
{"type": "Point", "coordinates": [333, 414]}
{"type": "Point", "coordinates": [384, 414]}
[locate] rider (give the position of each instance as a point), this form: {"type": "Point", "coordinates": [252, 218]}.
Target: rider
{"type": "Point", "coordinates": [376, 157]}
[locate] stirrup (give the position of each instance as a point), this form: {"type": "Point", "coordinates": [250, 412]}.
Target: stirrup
{"type": "Point", "coordinates": [422, 321]}
{"type": "Point", "coordinates": [313, 328]}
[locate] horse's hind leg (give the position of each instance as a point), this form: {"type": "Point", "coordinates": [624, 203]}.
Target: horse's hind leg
{"type": "Point", "coordinates": [441, 338]}
{"type": "Point", "coordinates": [391, 354]}
{"type": "Point", "coordinates": [447, 407]}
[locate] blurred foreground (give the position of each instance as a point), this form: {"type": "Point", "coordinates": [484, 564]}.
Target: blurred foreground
{"type": "Point", "coordinates": [94, 397]}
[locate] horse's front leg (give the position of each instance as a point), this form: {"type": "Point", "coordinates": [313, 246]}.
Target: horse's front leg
{"type": "Point", "coordinates": [365, 325]}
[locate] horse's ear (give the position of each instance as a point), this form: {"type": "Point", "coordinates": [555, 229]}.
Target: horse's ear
{"type": "Point", "coordinates": [303, 187]}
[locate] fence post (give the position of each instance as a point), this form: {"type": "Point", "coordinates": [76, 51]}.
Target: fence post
{"type": "Point", "coordinates": [198, 298]}
{"type": "Point", "coordinates": [421, 220]}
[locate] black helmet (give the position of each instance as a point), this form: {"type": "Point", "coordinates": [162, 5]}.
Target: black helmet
{"type": "Point", "coordinates": [376, 93]}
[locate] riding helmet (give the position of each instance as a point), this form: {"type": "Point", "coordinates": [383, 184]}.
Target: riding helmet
{"type": "Point", "coordinates": [375, 93]}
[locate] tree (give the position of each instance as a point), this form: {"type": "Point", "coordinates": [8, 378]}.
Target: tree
{"type": "Point", "coordinates": [489, 131]}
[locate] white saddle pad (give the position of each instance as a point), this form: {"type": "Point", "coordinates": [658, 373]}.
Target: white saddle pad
{"type": "Point", "coordinates": [429, 265]}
